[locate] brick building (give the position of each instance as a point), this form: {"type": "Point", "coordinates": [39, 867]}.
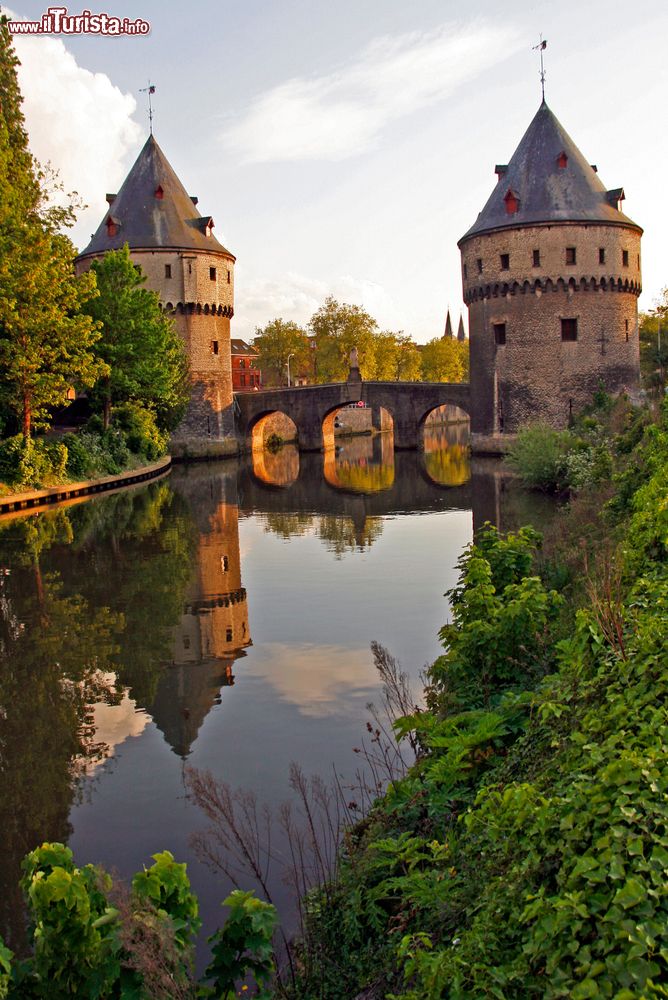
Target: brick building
{"type": "Point", "coordinates": [194, 276]}
{"type": "Point", "coordinates": [551, 277]}
{"type": "Point", "coordinates": [245, 375]}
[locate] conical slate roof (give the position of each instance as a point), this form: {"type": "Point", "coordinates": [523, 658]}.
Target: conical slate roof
{"type": "Point", "coordinates": [153, 210]}
{"type": "Point", "coordinates": [548, 180]}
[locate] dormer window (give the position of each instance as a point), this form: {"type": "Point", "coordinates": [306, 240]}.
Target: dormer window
{"type": "Point", "coordinates": [562, 160]}
{"type": "Point", "coordinates": [159, 193]}
{"type": "Point", "coordinates": [615, 197]}
{"type": "Point", "coordinates": [113, 225]}
{"type": "Point", "coordinates": [512, 202]}
{"type": "Point", "coordinates": [205, 224]}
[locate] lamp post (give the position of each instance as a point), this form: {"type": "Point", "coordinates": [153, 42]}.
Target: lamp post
{"type": "Point", "coordinates": [288, 367]}
{"type": "Point", "coordinates": [314, 347]}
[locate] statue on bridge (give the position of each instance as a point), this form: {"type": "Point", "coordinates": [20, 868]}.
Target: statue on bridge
{"type": "Point", "coordinates": [354, 373]}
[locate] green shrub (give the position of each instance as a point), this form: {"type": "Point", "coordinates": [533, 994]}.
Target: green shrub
{"type": "Point", "coordinates": [139, 426]}
{"type": "Point", "coordinates": [539, 457]}
{"type": "Point", "coordinates": [243, 945]}
{"type": "Point", "coordinates": [30, 462]}
{"type": "Point", "coordinates": [274, 443]}
{"type": "Point", "coordinates": [588, 466]}
{"type": "Point", "coordinates": [11, 456]}
{"type": "Point", "coordinates": [55, 456]}
{"type": "Point", "coordinates": [139, 947]}
{"type": "Point", "coordinates": [5, 969]}
{"type": "Point", "coordinates": [80, 463]}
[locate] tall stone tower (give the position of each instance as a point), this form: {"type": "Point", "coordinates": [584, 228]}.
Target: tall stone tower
{"type": "Point", "coordinates": [551, 278]}
{"type": "Point", "coordinates": [194, 276]}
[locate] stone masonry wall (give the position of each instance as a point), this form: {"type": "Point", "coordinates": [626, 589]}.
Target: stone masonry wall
{"type": "Point", "coordinates": [536, 375]}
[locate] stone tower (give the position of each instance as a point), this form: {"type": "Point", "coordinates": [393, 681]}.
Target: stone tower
{"type": "Point", "coordinates": [551, 278]}
{"type": "Point", "coordinates": [194, 276]}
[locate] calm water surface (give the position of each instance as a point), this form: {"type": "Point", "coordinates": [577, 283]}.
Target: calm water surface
{"type": "Point", "coordinates": [220, 619]}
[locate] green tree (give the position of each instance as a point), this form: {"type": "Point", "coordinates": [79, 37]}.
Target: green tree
{"type": "Point", "coordinates": [445, 360]}
{"type": "Point", "coordinates": [337, 329]}
{"type": "Point", "coordinates": [145, 356]}
{"type": "Point", "coordinates": [45, 340]}
{"type": "Point", "coordinates": [276, 342]}
{"type": "Point", "coordinates": [396, 358]}
{"type": "Point", "coordinates": [653, 331]}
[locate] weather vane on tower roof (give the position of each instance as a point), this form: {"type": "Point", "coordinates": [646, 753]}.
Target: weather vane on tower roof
{"type": "Point", "coordinates": [149, 90]}
{"type": "Point", "coordinates": [542, 45]}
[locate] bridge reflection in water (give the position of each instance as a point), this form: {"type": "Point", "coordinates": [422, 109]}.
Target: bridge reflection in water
{"type": "Point", "coordinates": [367, 464]}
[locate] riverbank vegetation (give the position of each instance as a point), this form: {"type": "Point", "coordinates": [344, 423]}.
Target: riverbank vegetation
{"type": "Point", "coordinates": [525, 853]}
{"type": "Point", "coordinates": [99, 335]}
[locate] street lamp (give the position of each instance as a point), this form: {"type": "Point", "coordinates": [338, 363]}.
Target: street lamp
{"type": "Point", "coordinates": [288, 367]}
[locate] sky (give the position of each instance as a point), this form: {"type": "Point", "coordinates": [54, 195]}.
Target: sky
{"type": "Point", "coordinates": [343, 148]}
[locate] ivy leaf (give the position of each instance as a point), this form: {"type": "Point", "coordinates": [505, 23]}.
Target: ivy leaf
{"type": "Point", "coordinates": [631, 893]}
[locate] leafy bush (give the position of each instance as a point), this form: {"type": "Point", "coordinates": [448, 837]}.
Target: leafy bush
{"type": "Point", "coordinates": [588, 466]}
{"type": "Point", "coordinates": [140, 428]}
{"type": "Point", "coordinates": [80, 461]}
{"type": "Point", "coordinates": [166, 886]}
{"type": "Point", "coordinates": [140, 947]}
{"type": "Point", "coordinates": [30, 462]}
{"type": "Point", "coordinates": [75, 950]}
{"type": "Point", "coordinates": [539, 457]}
{"type": "Point", "coordinates": [500, 633]}
{"type": "Point", "coordinates": [243, 945]}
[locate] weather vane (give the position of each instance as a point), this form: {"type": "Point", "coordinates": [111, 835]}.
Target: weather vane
{"type": "Point", "coordinates": [151, 90]}
{"type": "Point", "coordinates": [542, 45]}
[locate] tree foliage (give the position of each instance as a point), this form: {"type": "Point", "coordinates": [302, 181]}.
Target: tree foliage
{"type": "Point", "coordinates": [45, 339]}
{"type": "Point", "coordinates": [445, 360]}
{"type": "Point", "coordinates": [140, 347]}
{"type": "Point", "coordinates": [337, 329]}
{"type": "Point", "coordinates": [276, 342]}
{"type": "Point", "coordinates": [653, 333]}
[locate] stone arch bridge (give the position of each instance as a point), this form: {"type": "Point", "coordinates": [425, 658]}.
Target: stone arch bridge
{"type": "Point", "coordinates": [408, 403]}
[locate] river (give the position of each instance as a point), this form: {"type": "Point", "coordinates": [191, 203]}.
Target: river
{"type": "Point", "coordinates": [219, 619]}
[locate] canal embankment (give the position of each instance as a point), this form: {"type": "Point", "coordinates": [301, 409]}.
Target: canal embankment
{"type": "Point", "coordinates": [13, 503]}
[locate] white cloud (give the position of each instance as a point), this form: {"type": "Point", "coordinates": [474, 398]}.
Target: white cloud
{"type": "Point", "coordinates": [342, 113]}
{"type": "Point", "coordinates": [319, 680]}
{"type": "Point", "coordinates": [296, 297]}
{"type": "Point", "coordinates": [77, 120]}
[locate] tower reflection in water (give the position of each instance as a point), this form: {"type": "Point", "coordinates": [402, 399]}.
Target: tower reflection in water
{"type": "Point", "coordinates": [213, 628]}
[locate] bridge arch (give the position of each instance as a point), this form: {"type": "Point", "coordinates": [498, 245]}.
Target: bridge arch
{"type": "Point", "coordinates": [407, 403]}
{"type": "Point", "coordinates": [266, 422]}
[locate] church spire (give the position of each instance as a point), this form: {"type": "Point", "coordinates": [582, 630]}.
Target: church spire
{"type": "Point", "coordinates": [447, 335]}
{"type": "Point", "coordinates": [461, 335]}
